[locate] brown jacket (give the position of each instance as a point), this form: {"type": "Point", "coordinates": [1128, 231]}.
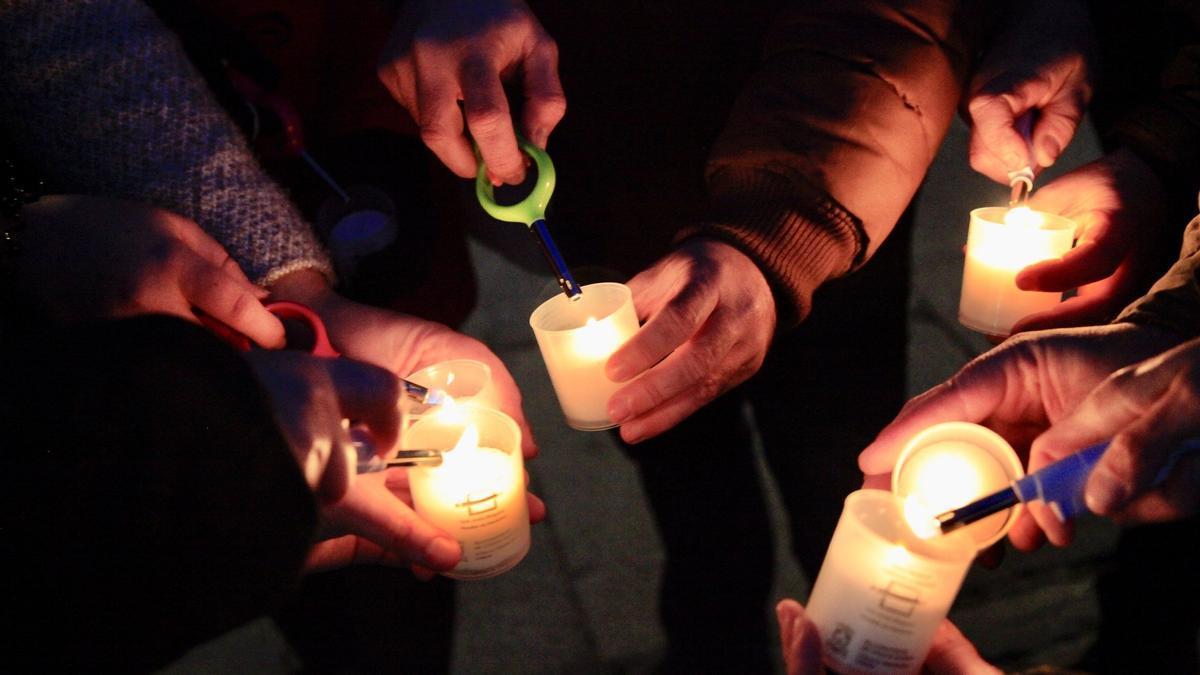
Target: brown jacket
{"type": "Point", "coordinates": [832, 136]}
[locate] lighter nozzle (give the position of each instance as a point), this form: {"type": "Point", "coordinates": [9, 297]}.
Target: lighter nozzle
{"type": "Point", "coordinates": [1022, 185]}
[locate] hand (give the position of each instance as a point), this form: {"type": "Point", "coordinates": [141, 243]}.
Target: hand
{"type": "Point", "coordinates": [950, 652]}
{"type": "Point", "coordinates": [1043, 60]}
{"type": "Point", "coordinates": [445, 51]}
{"type": "Point", "coordinates": [1018, 390]}
{"type": "Point", "coordinates": [311, 396]}
{"type": "Point", "coordinates": [90, 257]}
{"type": "Point", "coordinates": [708, 318]}
{"type": "Point", "coordinates": [1117, 203]}
{"type": "Point", "coordinates": [376, 524]}
{"type": "Point", "coordinates": [1147, 409]}
{"type": "Point", "coordinates": [400, 343]}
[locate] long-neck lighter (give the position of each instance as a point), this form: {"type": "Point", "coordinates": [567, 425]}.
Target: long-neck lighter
{"type": "Point", "coordinates": [1059, 485]}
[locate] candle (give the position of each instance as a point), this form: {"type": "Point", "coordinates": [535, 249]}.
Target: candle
{"type": "Point", "coordinates": [477, 494]}
{"type": "Point", "coordinates": [463, 380]}
{"type": "Point", "coordinates": [951, 464]}
{"type": "Point", "coordinates": [1000, 243]}
{"type": "Point", "coordinates": [576, 337]}
{"type": "Point", "coordinates": [889, 577]}
{"type": "Point", "coordinates": [882, 590]}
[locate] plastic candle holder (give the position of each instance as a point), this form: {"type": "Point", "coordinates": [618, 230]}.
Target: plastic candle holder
{"type": "Point", "coordinates": [576, 337]}
{"type": "Point", "coordinates": [951, 464]}
{"type": "Point", "coordinates": [477, 494]}
{"type": "Point", "coordinates": [463, 380]}
{"type": "Point", "coordinates": [996, 251]}
{"type": "Point", "coordinates": [882, 590]}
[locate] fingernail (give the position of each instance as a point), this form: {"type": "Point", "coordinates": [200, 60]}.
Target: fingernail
{"type": "Point", "coordinates": [442, 552]}
{"type": "Point", "coordinates": [1023, 281]}
{"type": "Point", "coordinates": [618, 409]}
{"type": "Point", "coordinates": [538, 137]}
{"type": "Point", "coordinates": [617, 372]}
{"type": "Point", "coordinates": [1104, 492]}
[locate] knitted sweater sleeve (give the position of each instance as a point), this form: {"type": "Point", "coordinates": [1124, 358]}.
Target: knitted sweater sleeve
{"type": "Point", "coordinates": [828, 142]}
{"type": "Point", "coordinates": [100, 95]}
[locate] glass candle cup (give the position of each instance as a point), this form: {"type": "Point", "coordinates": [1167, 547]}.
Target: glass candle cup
{"type": "Point", "coordinates": [996, 251]}
{"type": "Point", "coordinates": [882, 590]}
{"type": "Point", "coordinates": [576, 337]}
{"type": "Point", "coordinates": [477, 494]}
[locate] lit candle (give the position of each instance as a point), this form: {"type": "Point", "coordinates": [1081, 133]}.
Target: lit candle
{"type": "Point", "coordinates": [951, 464]}
{"type": "Point", "coordinates": [576, 337]}
{"type": "Point", "coordinates": [1000, 243]}
{"type": "Point", "coordinates": [477, 494]}
{"type": "Point", "coordinates": [889, 577]}
{"type": "Point", "coordinates": [463, 380]}
{"type": "Point", "coordinates": [882, 590]}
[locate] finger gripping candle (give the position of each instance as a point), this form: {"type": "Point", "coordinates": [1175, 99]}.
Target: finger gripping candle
{"type": "Point", "coordinates": [477, 494]}
{"type": "Point", "coordinates": [576, 337]}
{"type": "Point", "coordinates": [882, 590]}
{"type": "Point", "coordinates": [1000, 243]}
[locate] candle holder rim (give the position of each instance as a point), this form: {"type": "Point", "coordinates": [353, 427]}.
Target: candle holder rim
{"type": "Point", "coordinates": [951, 548]}
{"type": "Point", "coordinates": [504, 418]}
{"type": "Point", "coordinates": [1005, 455]}
{"type": "Point", "coordinates": [487, 370]}
{"type": "Point", "coordinates": [549, 304]}
{"type": "Point", "coordinates": [1052, 222]}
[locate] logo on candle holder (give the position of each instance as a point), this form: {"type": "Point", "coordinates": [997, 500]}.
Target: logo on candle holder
{"type": "Point", "coordinates": [478, 505]}
{"type": "Point", "coordinates": [898, 598]}
{"type": "Point", "coordinates": [839, 641]}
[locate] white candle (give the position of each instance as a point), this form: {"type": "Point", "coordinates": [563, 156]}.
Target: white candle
{"type": "Point", "coordinates": [576, 337]}
{"type": "Point", "coordinates": [463, 380]}
{"type": "Point", "coordinates": [952, 464]}
{"type": "Point", "coordinates": [1000, 243]}
{"type": "Point", "coordinates": [889, 577]}
{"type": "Point", "coordinates": [882, 591]}
{"type": "Point", "coordinates": [477, 494]}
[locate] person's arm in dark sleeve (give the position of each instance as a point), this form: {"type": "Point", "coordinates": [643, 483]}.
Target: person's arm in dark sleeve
{"type": "Point", "coordinates": [828, 143]}
{"type": "Point", "coordinates": [1174, 301]}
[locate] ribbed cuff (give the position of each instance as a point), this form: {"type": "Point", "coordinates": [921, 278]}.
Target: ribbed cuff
{"type": "Point", "coordinates": [799, 236]}
{"type": "Point", "coordinates": [317, 264]}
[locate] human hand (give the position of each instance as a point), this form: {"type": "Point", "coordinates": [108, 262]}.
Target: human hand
{"type": "Point", "coordinates": [708, 316]}
{"type": "Point", "coordinates": [1043, 60]}
{"type": "Point", "coordinates": [1018, 390]}
{"type": "Point", "coordinates": [400, 343]}
{"type": "Point", "coordinates": [950, 651]}
{"type": "Point", "coordinates": [92, 257]}
{"type": "Point", "coordinates": [311, 396]}
{"type": "Point", "coordinates": [1147, 409]}
{"type": "Point", "coordinates": [376, 524]}
{"type": "Point", "coordinates": [445, 51]}
{"type": "Point", "coordinates": [1116, 201]}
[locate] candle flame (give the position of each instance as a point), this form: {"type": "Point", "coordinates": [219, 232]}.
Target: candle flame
{"type": "Point", "coordinates": [468, 441]}
{"type": "Point", "coordinates": [946, 477]}
{"type": "Point", "coordinates": [596, 339]}
{"type": "Point", "coordinates": [450, 411]}
{"type": "Point", "coordinates": [1023, 216]}
{"type": "Point", "coordinates": [921, 519]}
